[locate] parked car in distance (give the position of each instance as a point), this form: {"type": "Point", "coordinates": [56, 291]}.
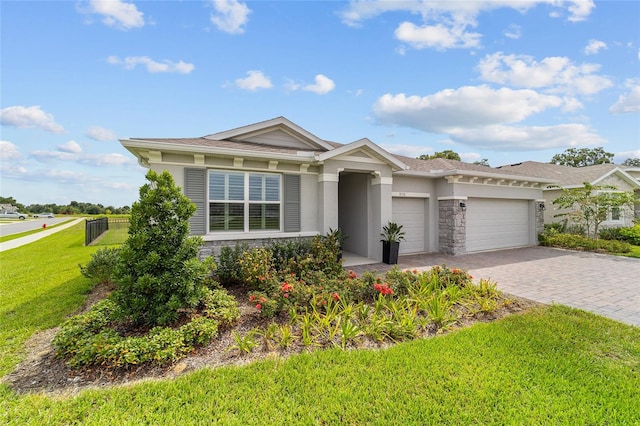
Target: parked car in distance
{"type": "Point", "coordinates": [41, 215]}
{"type": "Point", "coordinates": [13, 215]}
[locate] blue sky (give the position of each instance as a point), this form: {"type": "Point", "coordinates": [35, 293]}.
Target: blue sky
{"type": "Point", "coordinates": [508, 80]}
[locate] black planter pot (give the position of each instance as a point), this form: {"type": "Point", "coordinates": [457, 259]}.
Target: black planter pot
{"type": "Point", "coordinates": [390, 252]}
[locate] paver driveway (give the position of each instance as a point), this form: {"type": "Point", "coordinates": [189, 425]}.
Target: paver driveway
{"type": "Point", "coordinates": [603, 284]}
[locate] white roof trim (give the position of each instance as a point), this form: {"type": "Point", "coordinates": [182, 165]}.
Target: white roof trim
{"type": "Point", "coordinates": [134, 144]}
{"type": "Point", "coordinates": [625, 176]}
{"type": "Point", "coordinates": [363, 143]}
{"type": "Point", "coordinates": [472, 173]}
{"type": "Point", "coordinates": [264, 126]}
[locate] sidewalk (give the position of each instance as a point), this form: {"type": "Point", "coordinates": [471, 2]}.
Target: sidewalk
{"type": "Point", "coordinates": [8, 245]}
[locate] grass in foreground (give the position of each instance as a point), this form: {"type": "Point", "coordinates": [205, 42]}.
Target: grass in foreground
{"type": "Point", "coordinates": [40, 284]}
{"type": "Point", "coordinates": [635, 252]}
{"type": "Point", "coordinates": [554, 365]}
{"type": "Point", "coordinates": [551, 366]}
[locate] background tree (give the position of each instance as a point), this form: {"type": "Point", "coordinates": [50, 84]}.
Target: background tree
{"type": "Point", "coordinates": [582, 157]}
{"type": "Point", "coordinates": [446, 154]}
{"type": "Point", "coordinates": [483, 162]}
{"type": "Point", "coordinates": [635, 162]}
{"type": "Point", "coordinates": [590, 205]}
{"type": "Point", "coordinates": [158, 275]}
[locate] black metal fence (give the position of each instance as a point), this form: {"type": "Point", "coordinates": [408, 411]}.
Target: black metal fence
{"type": "Point", "coordinates": [106, 231]}
{"type": "Point", "coordinates": [93, 228]}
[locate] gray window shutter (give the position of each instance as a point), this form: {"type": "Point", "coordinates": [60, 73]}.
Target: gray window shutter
{"type": "Point", "coordinates": [195, 188]}
{"type": "Point", "coordinates": [291, 203]}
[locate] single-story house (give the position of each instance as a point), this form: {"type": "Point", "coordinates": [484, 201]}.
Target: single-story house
{"type": "Point", "coordinates": [623, 178]}
{"type": "Point", "coordinates": [276, 180]}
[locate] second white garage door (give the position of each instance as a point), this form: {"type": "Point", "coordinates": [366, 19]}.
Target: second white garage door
{"type": "Point", "coordinates": [409, 212]}
{"type": "Point", "coordinates": [497, 223]}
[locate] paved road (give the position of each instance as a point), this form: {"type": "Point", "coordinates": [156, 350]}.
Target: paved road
{"type": "Point", "coordinates": [8, 245]}
{"type": "Point", "coordinates": [603, 284]}
{"type": "Point", "coordinates": [10, 227]}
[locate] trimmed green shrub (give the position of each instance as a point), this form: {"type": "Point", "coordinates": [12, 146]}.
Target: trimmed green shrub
{"type": "Point", "coordinates": [228, 268]}
{"type": "Point", "coordinates": [102, 265]}
{"type": "Point", "coordinates": [90, 339]}
{"type": "Point", "coordinates": [573, 241]}
{"type": "Point", "coordinates": [159, 275]}
{"type": "Point", "coordinates": [285, 251]}
{"type": "Point", "coordinates": [610, 234]}
{"type": "Point", "coordinates": [631, 235]}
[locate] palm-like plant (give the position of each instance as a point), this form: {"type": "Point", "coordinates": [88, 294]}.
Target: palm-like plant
{"type": "Point", "coordinates": [392, 232]}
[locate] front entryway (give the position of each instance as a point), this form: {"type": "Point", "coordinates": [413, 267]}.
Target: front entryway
{"type": "Point", "coordinates": [353, 212]}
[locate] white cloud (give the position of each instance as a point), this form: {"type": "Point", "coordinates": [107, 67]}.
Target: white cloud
{"type": "Point", "coordinates": [525, 138]}
{"type": "Point", "coordinates": [445, 24]}
{"type": "Point", "coordinates": [439, 36]}
{"type": "Point", "coordinates": [100, 133]}
{"type": "Point", "coordinates": [70, 147]}
{"type": "Point", "coordinates": [470, 157]}
{"type": "Point", "coordinates": [9, 151]}
{"type": "Point", "coordinates": [322, 85]}
{"type": "Point", "coordinates": [231, 15]}
{"type": "Point", "coordinates": [469, 106]}
{"type": "Point", "coordinates": [412, 151]}
{"type": "Point", "coordinates": [594, 47]}
{"type": "Point", "coordinates": [580, 10]}
{"type": "Point", "coordinates": [483, 117]}
{"type": "Point", "coordinates": [619, 157]}
{"type": "Point", "coordinates": [628, 102]}
{"type": "Point", "coordinates": [72, 152]}
{"type": "Point", "coordinates": [514, 32]}
{"type": "Point", "coordinates": [255, 80]}
{"type": "Point", "coordinates": [28, 117]}
{"type": "Point", "coordinates": [116, 13]}
{"type": "Point", "coordinates": [556, 74]}
{"type": "Point", "coordinates": [130, 62]}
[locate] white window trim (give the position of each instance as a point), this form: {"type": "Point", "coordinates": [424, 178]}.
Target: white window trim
{"type": "Point", "coordinates": [246, 202]}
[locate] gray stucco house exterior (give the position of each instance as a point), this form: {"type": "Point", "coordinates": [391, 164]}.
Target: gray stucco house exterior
{"type": "Point", "coordinates": [274, 179]}
{"type": "Point", "coordinates": [622, 178]}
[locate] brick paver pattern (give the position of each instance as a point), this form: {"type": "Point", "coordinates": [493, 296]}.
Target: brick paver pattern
{"type": "Point", "coordinates": [604, 284]}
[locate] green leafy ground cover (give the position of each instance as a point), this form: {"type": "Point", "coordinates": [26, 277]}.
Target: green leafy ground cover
{"type": "Point", "coordinates": [553, 365]}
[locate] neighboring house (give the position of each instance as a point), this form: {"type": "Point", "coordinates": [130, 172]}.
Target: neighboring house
{"type": "Point", "coordinates": [274, 179]}
{"type": "Point", "coordinates": [8, 208]}
{"type": "Point", "coordinates": [624, 178]}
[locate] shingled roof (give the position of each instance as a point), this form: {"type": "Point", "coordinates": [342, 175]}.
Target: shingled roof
{"type": "Point", "coordinates": [564, 175]}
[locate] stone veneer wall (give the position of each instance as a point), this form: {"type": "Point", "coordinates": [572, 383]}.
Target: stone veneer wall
{"type": "Point", "coordinates": [212, 248]}
{"type": "Point", "coordinates": [539, 220]}
{"type": "Point", "coordinates": [452, 227]}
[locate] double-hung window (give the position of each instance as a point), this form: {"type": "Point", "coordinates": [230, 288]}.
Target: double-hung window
{"type": "Point", "coordinates": [244, 202]}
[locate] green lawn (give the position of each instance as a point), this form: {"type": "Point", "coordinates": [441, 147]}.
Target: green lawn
{"type": "Point", "coordinates": [40, 284]}
{"type": "Point", "coordinates": [635, 252]}
{"type": "Point", "coordinates": [554, 365]}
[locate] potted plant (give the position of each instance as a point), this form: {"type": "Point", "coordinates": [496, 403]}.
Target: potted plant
{"type": "Point", "coordinates": [391, 234]}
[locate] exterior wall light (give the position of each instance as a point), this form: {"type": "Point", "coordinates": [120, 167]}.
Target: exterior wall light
{"type": "Point", "coordinates": [541, 207]}
{"type": "Point", "coordinates": [463, 206]}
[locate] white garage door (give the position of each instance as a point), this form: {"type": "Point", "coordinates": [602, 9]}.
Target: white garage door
{"type": "Point", "coordinates": [497, 223]}
{"type": "Point", "coordinates": [409, 212]}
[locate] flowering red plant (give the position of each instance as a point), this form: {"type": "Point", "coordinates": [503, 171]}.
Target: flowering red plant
{"type": "Point", "coordinates": [384, 288]}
